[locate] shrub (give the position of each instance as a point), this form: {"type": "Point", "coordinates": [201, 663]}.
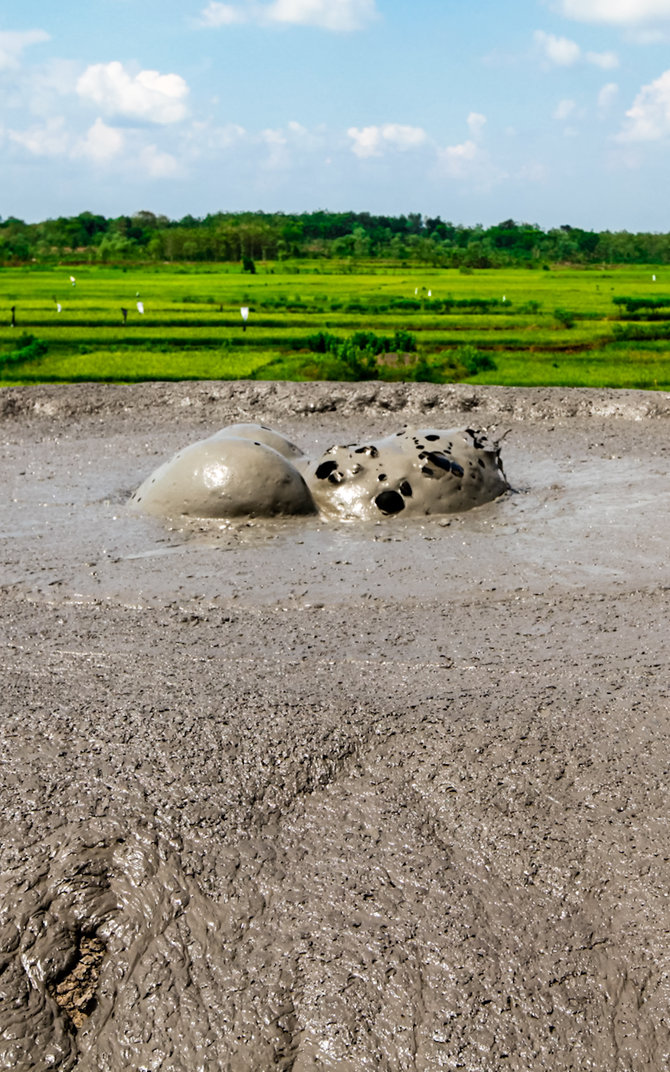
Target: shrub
{"type": "Point", "coordinates": [28, 349]}
{"type": "Point", "coordinates": [565, 317]}
{"type": "Point", "coordinates": [474, 360]}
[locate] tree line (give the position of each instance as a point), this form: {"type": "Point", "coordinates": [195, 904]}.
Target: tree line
{"type": "Point", "coordinates": [247, 237]}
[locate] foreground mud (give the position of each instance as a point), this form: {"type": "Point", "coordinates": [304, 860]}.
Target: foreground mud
{"type": "Point", "coordinates": [302, 795]}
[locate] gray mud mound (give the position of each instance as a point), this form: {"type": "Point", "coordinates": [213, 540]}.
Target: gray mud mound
{"type": "Point", "coordinates": [288, 794]}
{"type": "Point", "coordinates": [249, 470]}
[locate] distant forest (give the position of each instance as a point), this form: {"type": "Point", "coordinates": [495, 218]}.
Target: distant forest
{"type": "Point", "coordinates": [247, 237]}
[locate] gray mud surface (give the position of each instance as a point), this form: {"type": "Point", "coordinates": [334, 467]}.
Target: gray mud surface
{"type": "Point", "coordinates": [302, 795]}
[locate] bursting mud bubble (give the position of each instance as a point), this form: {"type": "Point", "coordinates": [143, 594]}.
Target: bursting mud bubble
{"type": "Point", "coordinates": [251, 470]}
{"type": "Point", "coordinates": [288, 794]}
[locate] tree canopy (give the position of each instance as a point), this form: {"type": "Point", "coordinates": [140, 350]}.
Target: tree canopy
{"type": "Point", "coordinates": [262, 236]}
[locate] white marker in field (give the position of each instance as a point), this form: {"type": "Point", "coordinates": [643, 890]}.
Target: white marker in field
{"type": "Point", "coordinates": [244, 313]}
{"type": "Point", "coordinates": [58, 307]}
{"type": "Point", "coordinates": [140, 307]}
{"type": "Point", "coordinates": [430, 293]}
{"type": "Point", "coordinates": [504, 298]}
{"type": "Point", "coordinates": [416, 290]}
{"type": "Point", "coordinates": [73, 280]}
{"type": "Point", "coordinates": [653, 278]}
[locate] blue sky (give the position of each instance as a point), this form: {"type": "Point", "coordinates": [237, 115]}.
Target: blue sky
{"type": "Point", "coordinates": [546, 111]}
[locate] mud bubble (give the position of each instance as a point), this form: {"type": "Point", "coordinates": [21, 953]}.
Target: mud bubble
{"type": "Point", "coordinates": [250, 470]}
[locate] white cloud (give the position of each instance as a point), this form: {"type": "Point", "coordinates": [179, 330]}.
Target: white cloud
{"type": "Point", "coordinates": [649, 117]}
{"type": "Point", "coordinates": [101, 143]}
{"type": "Point", "coordinates": [469, 159]}
{"type": "Point", "coordinates": [50, 139]}
{"type": "Point", "coordinates": [457, 160]}
{"type": "Point", "coordinates": [216, 14]}
{"type": "Point", "coordinates": [157, 164]}
{"type": "Point", "coordinates": [616, 12]}
{"type": "Point", "coordinates": [607, 96]}
{"type": "Point", "coordinates": [560, 51]}
{"type": "Point", "coordinates": [476, 122]}
{"type": "Point", "coordinates": [149, 96]}
{"type": "Point", "coordinates": [564, 109]}
{"type": "Point", "coordinates": [605, 60]}
{"type": "Point", "coordinates": [373, 140]}
{"type": "Point", "coordinates": [338, 15]}
{"type": "Point", "coordinates": [12, 44]}
{"type": "Point", "coordinates": [328, 14]}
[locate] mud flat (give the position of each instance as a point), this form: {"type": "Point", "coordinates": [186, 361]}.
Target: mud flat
{"type": "Point", "coordinates": [304, 795]}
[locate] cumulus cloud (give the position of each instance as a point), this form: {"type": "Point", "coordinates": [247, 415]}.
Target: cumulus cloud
{"type": "Point", "coordinates": [476, 122]}
{"type": "Point", "coordinates": [148, 96]}
{"type": "Point", "coordinates": [564, 109]}
{"type": "Point", "coordinates": [604, 60]}
{"type": "Point", "coordinates": [649, 117]}
{"type": "Point", "coordinates": [469, 159]}
{"type": "Point", "coordinates": [157, 164]}
{"type": "Point", "coordinates": [616, 12]}
{"type": "Point", "coordinates": [456, 160]}
{"type": "Point", "coordinates": [374, 140]}
{"type": "Point", "coordinates": [47, 139]}
{"type": "Point", "coordinates": [101, 143]}
{"type": "Point", "coordinates": [607, 96]}
{"type": "Point", "coordinates": [12, 44]}
{"type": "Point", "coordinates": [562, 52]}
{"type": "Point", "coordinates": [216, 14]}
{"type": "Point", "coordinates": [337, 15]}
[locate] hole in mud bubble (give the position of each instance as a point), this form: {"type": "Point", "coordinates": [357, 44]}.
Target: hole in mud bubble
{"type": "Point", "coordinates": [441, 462]}
{"type": "Point", "coordinates": [406, 489]}
{"type": "Point", "coordinates": [457, 469]}
{"type": "Point", "coordinates": [75, 993]}
{"type": "Point", "coordinates": [382, 476]}
{"type": "Point", "coordinates": [390, 502]}
{"type": "Point", "coordinates": [325, 469]}
{"type": "Point", "coordinates": [432, 438]}
{"type": "Point", "coordinates": [425, 469]}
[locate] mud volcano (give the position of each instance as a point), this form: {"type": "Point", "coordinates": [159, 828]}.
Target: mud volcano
{"type": "Point", "coordinates": [249, 470]}
{"type": "Point", "coordinates": [295, 795]}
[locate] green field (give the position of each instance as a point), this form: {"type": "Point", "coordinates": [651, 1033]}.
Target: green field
{"type": "Point", "coordinates": [501, 326]}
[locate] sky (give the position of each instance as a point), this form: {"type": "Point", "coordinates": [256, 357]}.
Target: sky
{"type": "Point", "coordinates": [543, 111]}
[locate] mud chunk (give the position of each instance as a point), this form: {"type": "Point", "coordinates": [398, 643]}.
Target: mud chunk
{"type": "Point", "coordinates": [75, 992]}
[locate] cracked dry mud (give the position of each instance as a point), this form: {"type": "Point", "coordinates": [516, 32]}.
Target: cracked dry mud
{"type": "Point", "coordinates": [308, 795]}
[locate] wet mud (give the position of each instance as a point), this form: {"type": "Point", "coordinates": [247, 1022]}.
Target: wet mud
{"type": "Point", "coordinates": [284, 794]}
{"type": "Point", "coordinates": [250, 470]}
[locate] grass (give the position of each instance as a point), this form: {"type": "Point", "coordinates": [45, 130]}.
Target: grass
{"type": "Point", "coordinates": [558, 327]}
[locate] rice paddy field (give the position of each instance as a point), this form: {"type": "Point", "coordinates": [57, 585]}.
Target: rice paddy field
{"type": "Point", "coordinates": [557, 327]}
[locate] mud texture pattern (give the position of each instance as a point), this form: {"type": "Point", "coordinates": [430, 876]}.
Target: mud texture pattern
{"type": "Point", "coordinates": [284, 794]}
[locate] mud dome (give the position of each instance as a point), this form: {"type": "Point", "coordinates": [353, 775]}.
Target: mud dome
{"type": "Point", "coordinates": [241, 471]}
{"type": "Point", "coordinates": [251, 470]}
{"type": "Point", "coordinates": [417, 473]}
